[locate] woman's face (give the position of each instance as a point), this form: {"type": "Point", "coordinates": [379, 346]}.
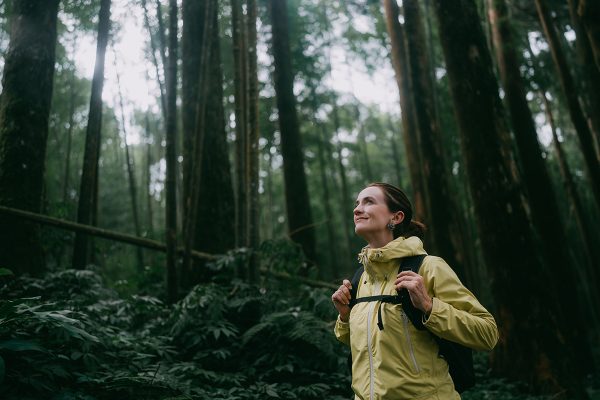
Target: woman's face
{"type": "Point", "coordinates": [371, 214]}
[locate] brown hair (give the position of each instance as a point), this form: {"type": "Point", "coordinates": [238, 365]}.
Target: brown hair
{"type": "Point", "coordinates": [397, 200]}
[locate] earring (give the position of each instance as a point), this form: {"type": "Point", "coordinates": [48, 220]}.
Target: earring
{"type": "Point", "coordinates": [391, 226]}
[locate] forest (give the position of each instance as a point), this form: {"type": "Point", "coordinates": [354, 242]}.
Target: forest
{"type": "Point", "coordinates": [178, 177]}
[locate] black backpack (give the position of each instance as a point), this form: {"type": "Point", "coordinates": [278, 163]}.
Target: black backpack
{"type": "Point", "coordinates": [458, 357]}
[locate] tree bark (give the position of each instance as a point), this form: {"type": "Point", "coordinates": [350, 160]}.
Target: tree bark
{"type": "Point", "coordinates": [409, 123]}
{"type": "Point", "coordinates": [533, 347]}
{"type": "Point", "coordinates": [586, 140]}
{"type": "Point", "coordinates": [545, 212]}
{"type": "Point", "coordinates": [590, 280]}
{"type": "Point", "coordinates": [148, 181]}
{"type": "Point", "coordinates": [171, 157]}
{"type": "Point", "coordinates": [88, 191]}
{"type": "Point", "coordinates": [441, 208]}
{"type": "Point", "coordinates": [67, 179]}
{"type": "Point", "coordinates": [298, 210]}
{"type": "Point", "coordinates": [253, 206]}
{"type": "Point", "coordinates": [211, 204]}
{"type": "Point", "coordinates": [24, 111]}
{"type": "Point", "coordinates": [240, 80]}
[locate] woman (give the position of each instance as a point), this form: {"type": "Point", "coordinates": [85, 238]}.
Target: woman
{"type": "Point", "coordinates": [401, 362]}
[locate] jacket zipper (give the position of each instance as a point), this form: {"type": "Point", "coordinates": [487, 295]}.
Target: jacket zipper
{"type": "Point", "coordinates": [370, 346]}
{"type": "Point", "coordinates": [410, 346]}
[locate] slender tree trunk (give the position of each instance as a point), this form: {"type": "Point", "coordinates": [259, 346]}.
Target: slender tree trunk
{"type": "Point", "coordinates": [409, 123]}
{"type": "Point", "coordinates": [148, 181]}
{"type": "Point", "coordinates": [253, 136]}
{"type": "Point", "coordinates": [589, 11]}
{"type": "Point", "coordinates": [162, 38]}
{"type": "Point", "coordinates": [171, 156]}
{"type": "Point", "coordinates": [591, 72]}
{"type": "Point", "coordinates": [163, 100]}
{"type": "Point", "coordinates": [67, 180]}
{"type": "Point", "coordinates": [300, 223]}
{"type": "Point", "coordinates": [544, 207]}
{"type": "Point", "coordinates": [88, 192]}
{"type": "Point", "coordinates": [586, 140]}
{"type": "Point", "coordinates": [240, 80]}
{"type": "Point", "coordinates": [24, 112]}
{"type": "Point", "coordinates": [528, 352]}
{"type": "Point", "coordinates": [346, 200]}
{"type": "Point", "coordinates": [395, 153]}
{"type": "Point", "coordinates": [211, 203]}
{"type": "Point", "coordinates": [131, 177]}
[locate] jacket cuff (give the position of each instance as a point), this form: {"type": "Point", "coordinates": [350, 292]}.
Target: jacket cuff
{"type": "Point", "coordinates": [436, 308]}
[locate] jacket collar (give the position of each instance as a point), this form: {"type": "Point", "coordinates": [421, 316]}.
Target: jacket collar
{"type": "Point", "coordinates": [382, 262]}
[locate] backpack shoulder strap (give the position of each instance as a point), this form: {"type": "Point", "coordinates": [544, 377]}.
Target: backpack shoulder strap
{"type": "Point", "coordinates": [355, 282]}
{"type": "Point", "coordinates": [412, 263]}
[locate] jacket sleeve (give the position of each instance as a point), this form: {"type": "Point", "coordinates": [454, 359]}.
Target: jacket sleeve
{"type": "Point", "coordinates": [342, 331]}
{"type": "Point", "coordinates": [456, 314]}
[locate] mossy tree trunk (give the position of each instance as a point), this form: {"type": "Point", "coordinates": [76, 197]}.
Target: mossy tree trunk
{"type": "Point", "coordinates": [24, 111]}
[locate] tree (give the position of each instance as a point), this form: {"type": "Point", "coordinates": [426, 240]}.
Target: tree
{"type": "Point", "coordinates": [584, 133]}
{"type": "Point", "coordinates": [298, 210]}
{"type": "Point", "coordinates": [544, 207]}
{"type": "Point", "coordinates": [589, 11]}
{"type": "Point", "coordinates": [409, 123]}
{"type": "Point", "coordinates": [441, 207]}
{"type": "Point", "coordinates": [214, 224]}
{"type": "Point", "coordinates": [507, 241]}
{"type": "Point", "coordinates": [24, 111]}
{"type": "Point", "coordinates": [88, 190]}
{"type": "Point", "coordinates": [171, 155]}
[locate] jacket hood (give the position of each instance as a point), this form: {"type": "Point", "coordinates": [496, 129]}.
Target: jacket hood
{"type": "Point", "coordinates": [384, 260]}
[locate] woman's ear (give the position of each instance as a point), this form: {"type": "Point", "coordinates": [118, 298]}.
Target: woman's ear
{"type": "Point", "coordinates": [398, 218]}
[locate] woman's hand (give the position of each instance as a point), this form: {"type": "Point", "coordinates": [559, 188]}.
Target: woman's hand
{"type": "Point", "coordinates": [416, 289]}
{"type": "Point", "coordinates": [341, 300]}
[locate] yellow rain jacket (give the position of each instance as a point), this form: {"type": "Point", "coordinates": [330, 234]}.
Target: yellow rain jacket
{"type": "Point", "coordinates": [401, 362]}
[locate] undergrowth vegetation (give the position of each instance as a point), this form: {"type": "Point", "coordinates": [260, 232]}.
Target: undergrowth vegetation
{"type": "Point", "coordinates": [68, 336]}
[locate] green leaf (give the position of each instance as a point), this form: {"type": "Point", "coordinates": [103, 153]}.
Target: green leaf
{"type": "Point", "coordinates": [21, 345]}
{"type": "Point", "coordinates": [6, 272]}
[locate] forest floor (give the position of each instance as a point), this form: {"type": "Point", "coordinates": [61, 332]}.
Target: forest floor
{"type": "Point", "coordinates": [69, 336]}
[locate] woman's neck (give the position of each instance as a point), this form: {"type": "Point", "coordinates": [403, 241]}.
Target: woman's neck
{"type": "Point", "coordinates": [380, 240]}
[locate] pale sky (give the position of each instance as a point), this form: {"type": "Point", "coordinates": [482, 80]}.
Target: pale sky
{"type": "Point", "coordinates": [133, 69]}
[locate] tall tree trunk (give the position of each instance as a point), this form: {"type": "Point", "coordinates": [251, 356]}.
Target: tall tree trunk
{"type": "Point", "coordinates": [586, 140]}
{"type": "Point", "coordinates": [88, 191]}
{"type": "Point", "coordinates": [441, 206]}
{"type": "Point", "coordinates": [591, 72]}
{"type": "Point", "coordinates": [589, 11]}
{"type": "Point", "coordinates": [545, 212]}
{"type": "Point", "coordinates": [130, 176]}
{"type": "Point", "coordinates": [171, 157]}
{"type": "Point", "coordinates": [148, 180]}
{"type": "Point", "coordinates": [528, 352]}
{"type": "Point", "coordinates": [395, 153]}
{"type": "Point", "coordinates": [346, 200]}
{"type": "Point", "coordinates": [24, 111]}
{"type": "Point", "coordinates": [300, 223]}
{"type": "Point", "coordinates": [252, 212]}
{"type": "Point", "coordinates": [589, 279]}
{"type": "Point", "coordinates": [211, 204]}
{"type": "Point", "coordinates": [163, 100]}
{"type": "Point", "coordinates": [240, 79]}
{"type": "Point", "coordinates": [67, 180]}
{"type": "Point", "coordinates": [409, 123]}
